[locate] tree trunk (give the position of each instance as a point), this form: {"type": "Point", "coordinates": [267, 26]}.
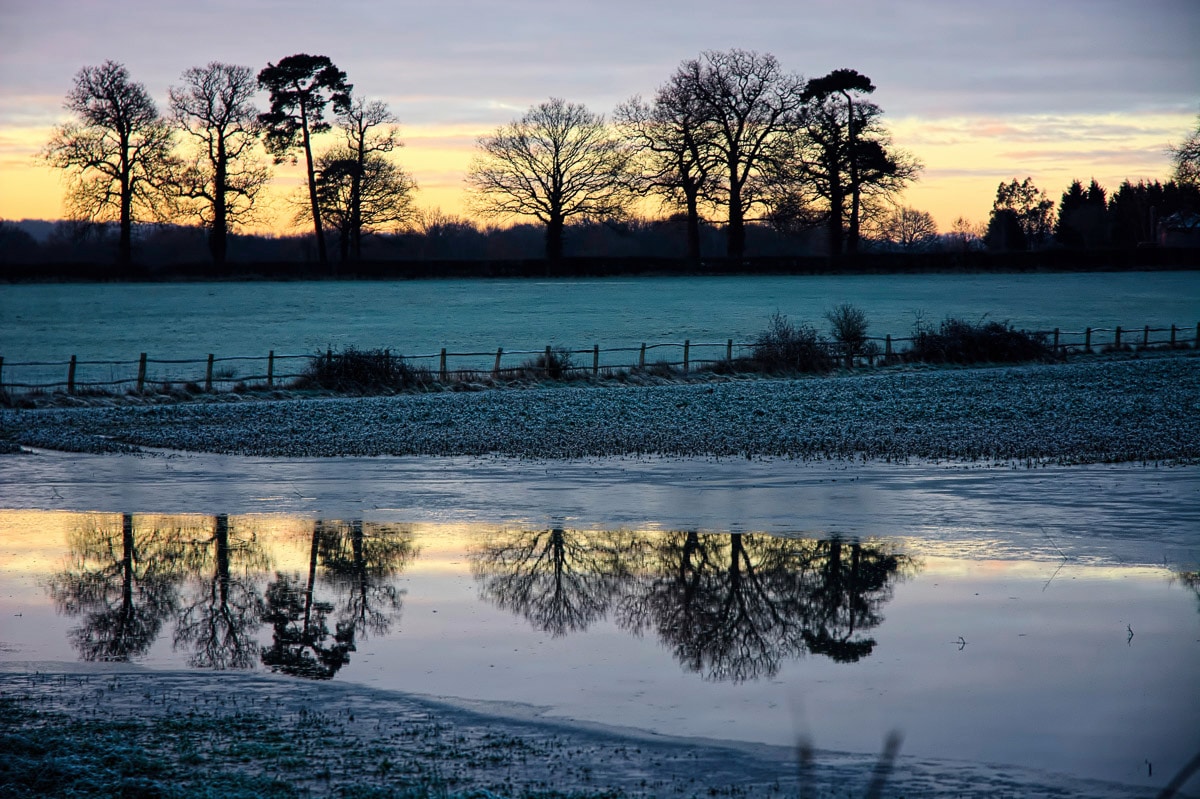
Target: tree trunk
{"type": "Point", "coordinates": [322, 254]}
{"type": "Point", "coordinates": [736, 242]}
{"type": "Point", "coordinates": [220, 224]}
{"type": "Point", "coordinates": [125, 242]}
{"type": "Point", "coordinates": [693, 228]}
{"type": "Point", "coordinates": [554, 239]}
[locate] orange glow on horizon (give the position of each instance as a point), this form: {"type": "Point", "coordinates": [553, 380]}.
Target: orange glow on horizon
{"type": "Point", "coordinates": [964, 158]}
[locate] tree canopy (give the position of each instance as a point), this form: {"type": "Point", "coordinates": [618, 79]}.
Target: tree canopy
{"type": "Point", "coordinates": [558, 161]}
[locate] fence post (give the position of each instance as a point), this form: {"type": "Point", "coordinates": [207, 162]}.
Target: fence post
{"type": "Point", "coordinates": [208, 375]}
{"type": "Point", "coordinates": [496, 365]}
{"type": "Point", "coordinates": [270, 368]}
{"type": "Point", "coordinates": [141, 373]}
{"type": "Point", "coordinates": [642, 354]}
{"type": "Point", "coordinates": [1055, 350]}
{"type": "Point", "coordinates": [1087, 341]}
{"type": "Point", "coordinates": [442, 366]}
{"type": "Point", "coordinates": [1117, 338]}
{"type": "Point", "coordinates": [687, 345]}
{"type": "Point", "coordinates": [729, 350]}
{"type": "Point", "coordinates": [71, 376]}
{"type": "Point", "coordinates": [547, 360]}
{"type": "Point", "coordinates": [595, 359]}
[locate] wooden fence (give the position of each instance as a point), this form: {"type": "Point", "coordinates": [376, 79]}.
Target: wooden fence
{"type": "Point", "coordinates": [274, 370]}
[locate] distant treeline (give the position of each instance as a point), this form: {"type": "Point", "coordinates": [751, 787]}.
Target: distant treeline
{"type": "Point", "coordinates": [971, 261]}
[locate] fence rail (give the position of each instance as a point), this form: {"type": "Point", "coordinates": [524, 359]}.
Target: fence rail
{"type": "Point", "coordinates": [213, 372]}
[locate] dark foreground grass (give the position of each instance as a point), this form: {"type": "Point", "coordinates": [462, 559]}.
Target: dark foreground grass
{"type": "Point", "coordinates": [51, 754]}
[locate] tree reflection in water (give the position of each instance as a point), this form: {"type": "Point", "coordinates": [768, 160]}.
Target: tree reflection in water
{"type": "Point", "coordinates": [560, 581]}
{"type": "Point", "coordinates": [359, 567]}
{"type": "Point", "coordinates": [219, 619]}
{"type": "Point", "coordinates": [731, 607]}
{"type": "Point", "coordinates": [122, 581]}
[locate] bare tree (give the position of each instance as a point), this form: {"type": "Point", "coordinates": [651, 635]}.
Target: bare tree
{"type": "Point", "coordinates": [675, 146]}
{"type": "Point", "coordinates": [909, 228]}
{"type": "Point", "coordinates": [368, 191]}
{"type": "Point", "coordinates": [301, 87]}
{"type": "Point", "coordinates": [117, 151]}
{"type": "Point", "coordinates": [223, 175]}
{"type": "Point", "coordinates": [557, 161]}
{"type": "Point", "coordinates": [1186, 158]}
{"type": "Point", "coordinates": [361, 195]}
{"type": "Point", "coordinates": [751, 104]}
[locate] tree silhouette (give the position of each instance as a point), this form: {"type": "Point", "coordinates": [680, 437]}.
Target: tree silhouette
{"type": "Point", "coordinates": [122, 582]}
{"type": "Point", "coordinates": [1185, 157]}
{"type": "Point", "coordinates": [675, 144]}
{"type": "Point", "coordinates": [751, 104]}
{"type": "Point", "coordinates": [298, 643]}
{"type": "Point", "coordinates": [361, 196]}
{"type": "Point", "coordinates": [117, 151]}
{"type": "Point", "coordinates": [223, 176]}
{"type": "Point", "coordinates": [1082, 216]}
{"type": "Point", "coordinates": [847, 597]}
{"type": "Point", "coordinates": [359, 562]}
{"type": "Point", "coordinates": [368, 190]}
{"type": "Point", "coordinates": [556, 162]}
{"type": "Point", "coordinates": [839, 151]}
{"type": "Point", "coordinates": [909, 228]}
{"type": "Point", "coordinates": [218, 620]}
{"type": "Point", "coordinates": [560, 581]}
{"type": "Point", "coordinates": [301, 87]}
{"type": "Point", "coordinates": [298, 621]}
{"type": "Point", "coordinates": [1027, 206]}
{"type": "Point", "coordinates": [734, 608]}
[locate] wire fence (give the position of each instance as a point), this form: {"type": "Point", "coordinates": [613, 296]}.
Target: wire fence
{"type": "Point", "coordinates": [281, 370]}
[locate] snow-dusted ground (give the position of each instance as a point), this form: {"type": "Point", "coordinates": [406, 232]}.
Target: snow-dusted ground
{"type": "Point", "coordinates": [1140, 409]}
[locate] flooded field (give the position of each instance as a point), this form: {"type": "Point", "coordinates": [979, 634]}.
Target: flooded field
{"type": "Point", "coordinates": [980, 612]}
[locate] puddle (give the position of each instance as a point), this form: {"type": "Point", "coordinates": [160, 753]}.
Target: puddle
{"type": "Point", "coordinates": [974, 647]}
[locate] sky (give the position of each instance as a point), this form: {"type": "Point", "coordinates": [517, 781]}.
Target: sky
{"type": "Point", "coordinates": [981, 92]}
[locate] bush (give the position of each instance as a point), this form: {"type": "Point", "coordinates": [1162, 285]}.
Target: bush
{"type": "Point", "coordinates": [361, 371]}
{"type": "Point", "coordinates": [785, 348]}
{"type": "Point", "coordinates": [554, 364]}
{"type": "Point", "coordinates": [848, 324]}
{"type": "Point", "coordinates": [957, 341]}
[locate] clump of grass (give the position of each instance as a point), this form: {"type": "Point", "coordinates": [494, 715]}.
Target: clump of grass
{"type": "Point", "coordinates": [553, 364]}
{"type": "Point", "coordinates": [959, 341]}
{"type": "Point", "coordinates": [787, 348]}
{"type": "Point", "coordinates": [361, 372]}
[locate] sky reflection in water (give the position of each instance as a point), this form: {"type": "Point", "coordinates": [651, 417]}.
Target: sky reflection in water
{"type": "Point", "coordinates": [732, 635]}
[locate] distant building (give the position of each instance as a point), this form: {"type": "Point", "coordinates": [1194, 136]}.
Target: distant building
{"type": "Point", "coordinates": [1180, 229]}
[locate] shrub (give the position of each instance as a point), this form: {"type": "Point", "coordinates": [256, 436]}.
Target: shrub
{"type": "Point", "coordinates": [785, 348]}
{"type": "Point", "coordinates": [361, 371]}
{"type": "Point", "coordinates": [957, 341]}
{"type": "Point", "coordinates": [554, 364]}
{"type": "Point", "coordinates": [848, 324]}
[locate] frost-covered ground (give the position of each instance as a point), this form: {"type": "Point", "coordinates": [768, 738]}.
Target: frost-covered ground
{"type": "Point", "coordinates": [1139, 409]}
